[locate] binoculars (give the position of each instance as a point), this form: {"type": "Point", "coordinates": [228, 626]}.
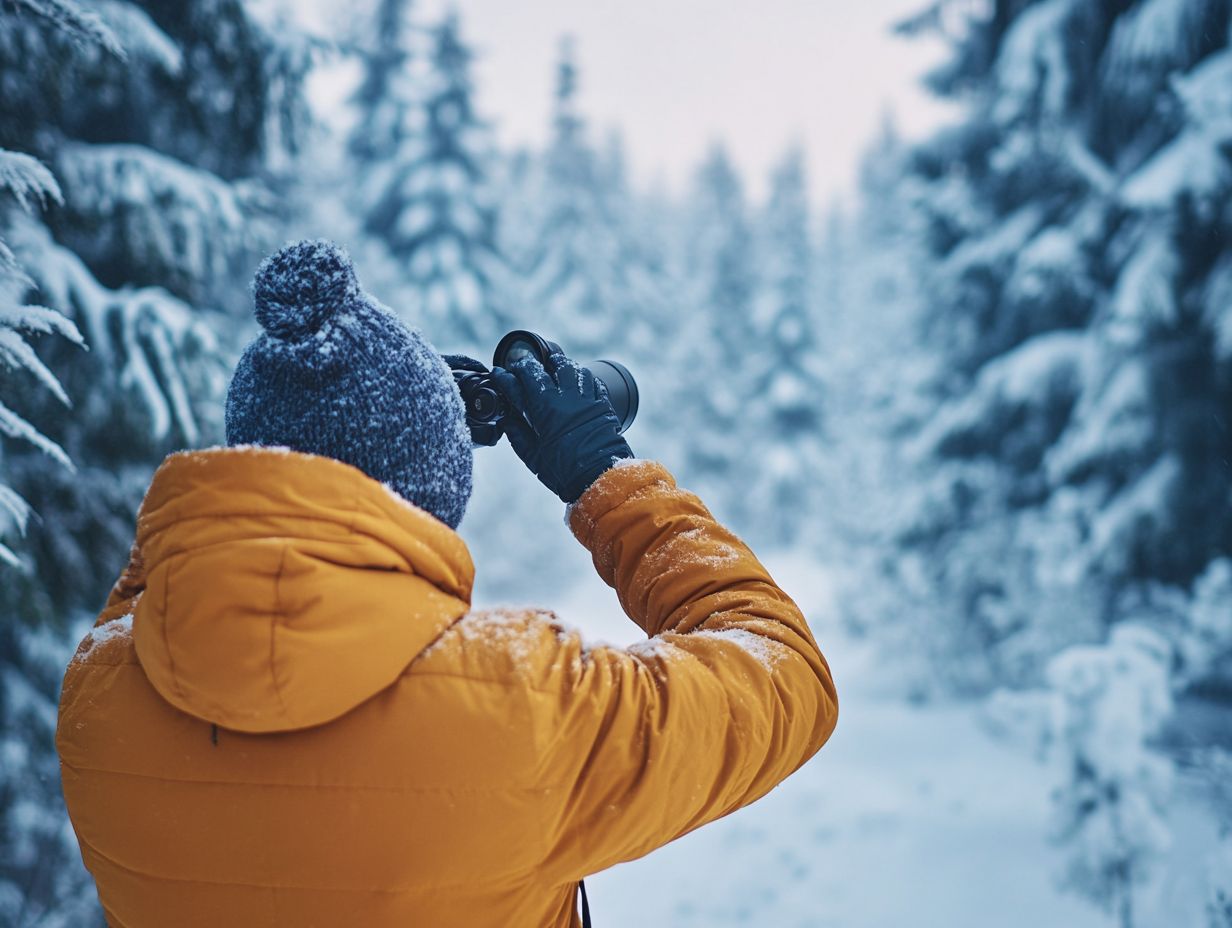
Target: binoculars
{"type": "Point", "coordinates": [486, 407]}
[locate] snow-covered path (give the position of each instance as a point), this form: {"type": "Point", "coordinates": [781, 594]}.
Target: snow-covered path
{"type": "Point", "coordinates": [909, 816]}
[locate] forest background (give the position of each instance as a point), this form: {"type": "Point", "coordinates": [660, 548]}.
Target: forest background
{"type": "Point", "coordinates": [983, 406]}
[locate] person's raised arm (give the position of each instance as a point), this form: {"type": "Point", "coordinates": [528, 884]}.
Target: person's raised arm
{"type": "Point", "coordinates": [728, 696]}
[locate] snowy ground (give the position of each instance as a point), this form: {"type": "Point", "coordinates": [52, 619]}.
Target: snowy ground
{"type": "Point", "coordinates": [911, 815]}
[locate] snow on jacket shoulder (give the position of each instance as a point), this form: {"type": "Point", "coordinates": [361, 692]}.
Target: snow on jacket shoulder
{"type": "Point", "coordinates": [287, 715]}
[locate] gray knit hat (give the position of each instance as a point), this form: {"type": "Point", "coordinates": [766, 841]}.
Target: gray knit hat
{"type": "Point", "coordinates": [337, 374]}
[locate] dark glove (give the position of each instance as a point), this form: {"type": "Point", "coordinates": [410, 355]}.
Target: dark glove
{"type": "Point", "coordinates": [561, 424]}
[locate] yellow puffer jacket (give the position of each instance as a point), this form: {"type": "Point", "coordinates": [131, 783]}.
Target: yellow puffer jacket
{"type": "Point", "coordinates": [287, 716]}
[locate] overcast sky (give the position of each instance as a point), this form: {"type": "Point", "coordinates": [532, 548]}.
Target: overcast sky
{"type": "Point", "coordinates": [673, 75]}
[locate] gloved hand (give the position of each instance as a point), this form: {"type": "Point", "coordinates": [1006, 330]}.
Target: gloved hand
{"type": "Point", "coordinates": [561, 425]}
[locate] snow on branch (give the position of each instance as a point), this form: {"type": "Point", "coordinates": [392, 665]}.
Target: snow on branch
{"type": "Point", "coordinates": [1047, 370]}
{"type": "Point", "coordinates": [1217, 306]}
{"type": "Point", "coordinates": [1145, 295]}
{"type": "Point", "coordinates": [1032, 69]}
{"type": "Point", "coordinates": [41, 321]}
{"type": "Point", "coordinates": [83, 27]}
{"type": "Point", "coordinates": [10, 267]}
{"type": "Point", "coordinates": [1155, 37]}
{"type": "Point", "coordinates": [182, 218]}
{"type": "Point", "coordinates": [1193, 162]}
{"type": "Point", "coordinates": [15, 352]}
{"type": "Point", "coordinates": [1112, 422]}
{"type": "Point", "coordinates": [1206, 92]}
{"type": "Point", "coordinates": [13, 508]}
{"type": "Point", "coordinates": [17, 317]}
{"type": "Point", "coordinates": [1096, 720]}
{"type": "Point", "coordinates": [1144, 503]}
{"type": "Point", "coordinates": [140, 36]}
{"type": "Point", "coordinates": [997, 248]}
{"type": "Point", "coordinates": [145, 334]}
{"type": "Point", "coordinates": [27, 179]}
{"type": "Point", "coordinates": [14, 426]}
{"type": "Point", "coordinates": [155, 328]}
{"type": "Point", "coordinates": [1085, 162]}
{"type": "Point", "coordinates": [951, 19]}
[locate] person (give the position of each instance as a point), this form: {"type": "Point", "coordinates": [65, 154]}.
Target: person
{"type": "Point", "coordinates": [287, 713]}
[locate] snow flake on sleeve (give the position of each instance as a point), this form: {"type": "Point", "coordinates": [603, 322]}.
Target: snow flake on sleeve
{"type": "Point", "coordinates": [674, 647]}
{"type": "Point", "coordinates": [691, 548]}
{"type": "Point", "coordinates": [516, 633]}
{"type": "Point", "coordinates": [656, 648]}
{"type": "Point", "coordinates": [766, 651]}
{"type": "Point", "coordinates": [102, 634]}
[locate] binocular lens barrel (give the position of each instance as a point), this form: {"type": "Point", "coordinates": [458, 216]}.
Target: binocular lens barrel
{"type": "Point", "coordinates": [621, 387]}
{"type": "Point", "coordinates": [520, 344]}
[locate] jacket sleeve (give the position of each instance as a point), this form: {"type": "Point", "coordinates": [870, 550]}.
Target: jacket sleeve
{"type": "Point", "coordinates": [729, 695]}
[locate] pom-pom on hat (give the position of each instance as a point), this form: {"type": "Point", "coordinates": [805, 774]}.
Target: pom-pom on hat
{"type": "Point", "coordinates": [335, 373]}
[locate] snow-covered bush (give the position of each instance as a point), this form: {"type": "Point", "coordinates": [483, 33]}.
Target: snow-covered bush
{"type": "Point", "coordinates": [1219, 901]}
{"type": "Point", "coordinates": [1107, 704]}
{"type": "Point", "coordinates": [1105, 721]}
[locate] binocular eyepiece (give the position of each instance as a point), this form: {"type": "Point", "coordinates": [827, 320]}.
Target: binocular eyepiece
{"type": "Point", "coordinates": [486, 407]}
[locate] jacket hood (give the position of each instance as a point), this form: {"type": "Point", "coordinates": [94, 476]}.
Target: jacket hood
{"type": "Point", "coordinates": [283, 589]}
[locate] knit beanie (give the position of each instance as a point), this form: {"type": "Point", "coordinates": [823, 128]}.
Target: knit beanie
{"type": "Point", "coordinates": [337, 374]}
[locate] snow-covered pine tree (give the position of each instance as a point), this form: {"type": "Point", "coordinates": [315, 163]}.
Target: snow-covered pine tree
{"type": "Point", "coordinates": [388, 100]}
{"type": "Point", "coordinates": [868, 276]}
{"type": "Point", "coordinates": [784, 415]}
{"type": "Point", "coordinates": [41, 879]}
{"type": "Point", "coordinates": [873, 325]}
{"type": "Point", "coordinates": [156, 119]}
{"type": "Point", "coordinates": [587, 280]}
{"type": "Point", "coordinates": [24, 184]}
{"type": "Point", "coordinates": [885, 213]}
{"type": "Point", "coordinates": [436, 213]}
{"type": "Point", "coordinates": [554, 270]}
{"type": "Point", "coordinates": [1079, 296]}
{"type": "Point", "coordinates": [718, 341]}
{"type": "Point", "coordinates": [161, 165]}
